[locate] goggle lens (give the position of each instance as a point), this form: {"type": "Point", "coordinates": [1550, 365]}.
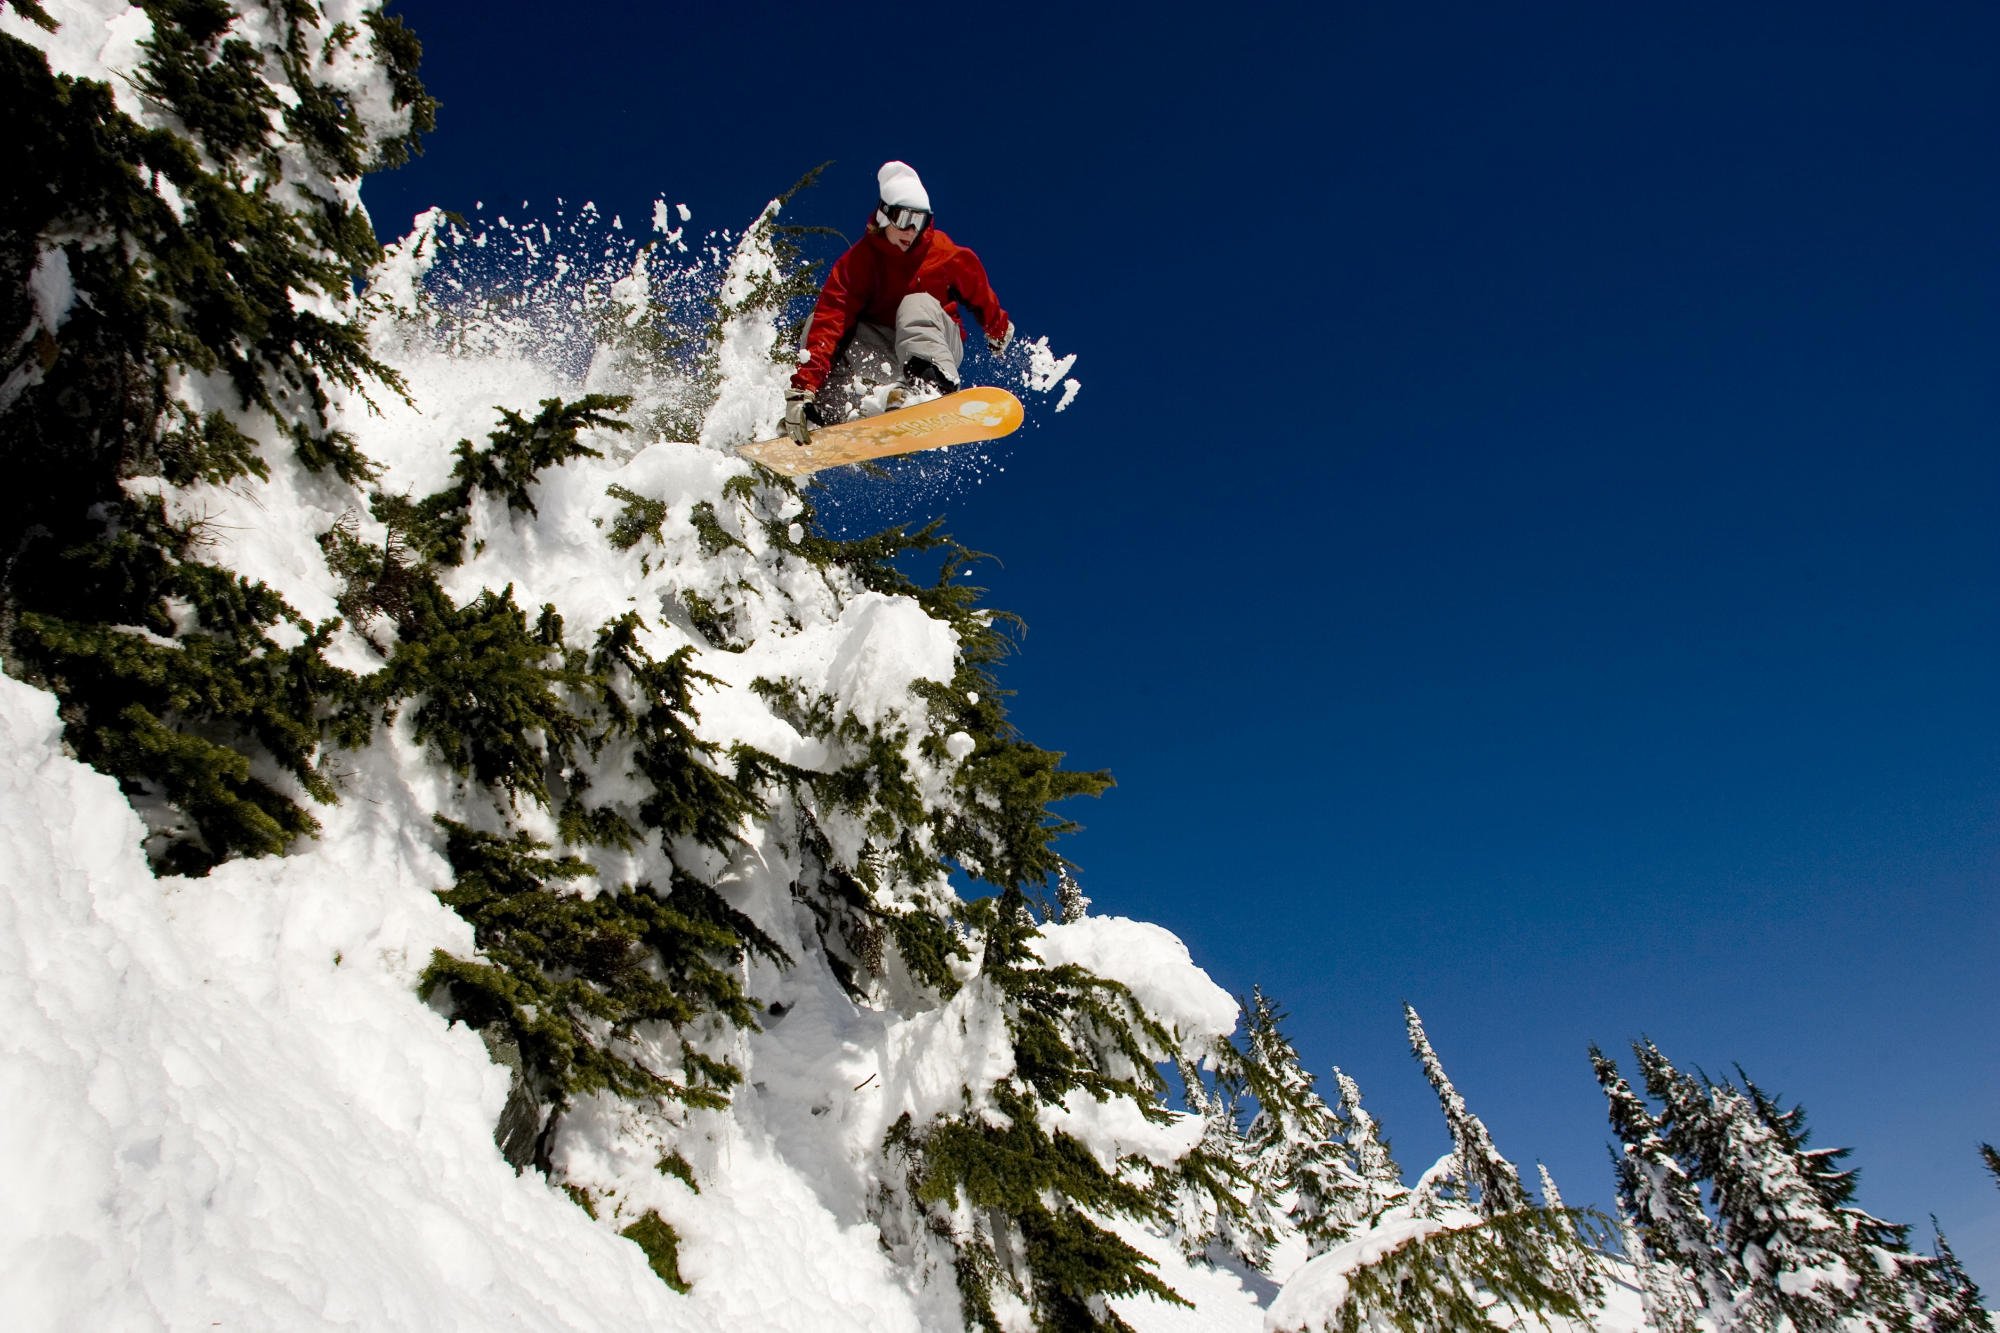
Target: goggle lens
{"type": "Point", "coordinates": [902, 217]}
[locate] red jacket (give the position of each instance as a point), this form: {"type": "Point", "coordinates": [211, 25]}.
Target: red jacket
{"type": "Point", "coordinates": [872, 278]}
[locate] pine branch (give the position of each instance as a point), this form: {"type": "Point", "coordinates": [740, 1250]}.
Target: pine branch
{"type": "Point", "coordinates": [1488, 1273]}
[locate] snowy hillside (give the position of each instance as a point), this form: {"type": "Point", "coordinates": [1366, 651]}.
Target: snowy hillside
{"type": "Point", "coordinates": [476, 854]}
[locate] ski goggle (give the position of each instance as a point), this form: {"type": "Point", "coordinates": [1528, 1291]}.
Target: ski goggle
{"type": "Point", "coordinates": [902, 217]}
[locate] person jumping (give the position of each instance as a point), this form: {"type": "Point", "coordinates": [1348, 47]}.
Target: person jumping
{"type": "Point", "coordinates": [889, 313]}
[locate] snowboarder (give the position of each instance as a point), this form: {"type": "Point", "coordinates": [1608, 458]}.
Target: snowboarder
{"type": "Point", "coordinates": [888, 314]}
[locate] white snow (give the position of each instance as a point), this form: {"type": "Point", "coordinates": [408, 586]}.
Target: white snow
{"type": "Point", "coordinates": [1316, 1292]}
{"type": "Point", "coordinates": [1153, 963]}
{"type": "Point", "coordinates": [94, 39]}
{"type": "Point", "coordinates": [753, 380]}
{"type": "Point", "coordinates": [222, 1104]}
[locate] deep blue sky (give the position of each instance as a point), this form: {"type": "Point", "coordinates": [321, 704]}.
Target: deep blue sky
{"type": "Point", "coordinates": [1526, 543]}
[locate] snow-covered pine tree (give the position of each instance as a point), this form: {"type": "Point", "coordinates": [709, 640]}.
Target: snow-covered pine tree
{"type": "Point", "coordinates": [1899, 1288]}
{"type": "Point", "coordinates": [1799, 1253]}
{"type": "Point", "coordinates": [1553, 1201]}
{"type": "Point", "coordinates": [1682, 1268]}
{"type": "Point", "coordinates": [1213, 1205]}
{"type": "Point", "coordinates": [1072, 904]}
{"type": "Point", "coordinates": [1009, 1188]}
{"type": "Point", "coordinates": [1448, 1256]}
{"type": "Point", "coordinates": [751, 335]}
{"type": "Point", "coordinates": [1991, 1156]}
{"type": "Point", "coordinates": [1663, 1295]}
{"type": "Point", "coordinates": [1955, 1304]}
{"type": "Point", "coordinates": [1382, 1186]}
{"type": "Point", "coordinates": [1491, 1183]}
{"type": "Point", "coordinates": [1296, 1142]}
{"type": "Point", "coordinates": [178, 255]}
{"type": "Point", "coordinates": [1551, 1195]}
{"type": "Point", "coordinates": [1801, 1263]}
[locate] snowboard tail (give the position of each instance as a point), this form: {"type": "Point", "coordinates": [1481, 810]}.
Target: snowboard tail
{"type": "Point", "coordinates": [964, 417]}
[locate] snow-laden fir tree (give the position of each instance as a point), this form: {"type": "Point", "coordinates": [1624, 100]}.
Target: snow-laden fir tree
{"type": "Point", "coordinates": [180, 255]}
{"type": "Point", "coordinates": [1570, 1258]}
{"type": "Point", "coordinates": [1071, 902]}
{"type": "Point", "coordinates": [1663, 1296]}
{"type": "Point", "coordinates": [1788, 1238]}
{"type": "Point", "coordinates": [1488, 1182]}
{"type": "Point", "coordinates": [1296, 1143]}
{"type": "Point", "coordinates": [1449, 1256]}
{"type": "Point", "coordinates": [1899, 1288]}
{"type": "Point", "coordinates": [1368, 1151]}
{"type": "Point", "coordinates": [1681, 1266]}
{"type": "Point", "coordinates": [1956, 1305]}
{"type": "Point", "coordinates": [1215, 1209]}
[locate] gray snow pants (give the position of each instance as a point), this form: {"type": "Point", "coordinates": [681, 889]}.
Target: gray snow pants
{"type": "Point", "coordinates": [874, 354]}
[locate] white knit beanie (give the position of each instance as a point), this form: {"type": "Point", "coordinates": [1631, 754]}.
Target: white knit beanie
{"type": "Point", "coordinates": [897, 186]}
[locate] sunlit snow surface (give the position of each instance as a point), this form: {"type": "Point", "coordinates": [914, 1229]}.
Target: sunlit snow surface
{"type": "Point", "coordinates": [220, 1103]}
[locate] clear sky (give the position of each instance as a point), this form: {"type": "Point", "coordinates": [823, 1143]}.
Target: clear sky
{"type": "Point", "coordinates": [1526, 543]}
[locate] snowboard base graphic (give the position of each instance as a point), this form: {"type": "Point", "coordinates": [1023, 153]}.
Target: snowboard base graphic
{"type": "Point", "coordinates": [957, 418]}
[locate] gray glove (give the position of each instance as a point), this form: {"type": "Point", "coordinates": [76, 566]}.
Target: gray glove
{"type": "Point", "coordinates": [798, 424]}
{"type": "Point", "coordinates": [998, 343]}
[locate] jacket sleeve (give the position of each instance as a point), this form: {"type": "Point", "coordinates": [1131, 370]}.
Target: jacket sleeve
{"type": "Point", "coordinates": [833, 318]}
{"type": "Point", "coordinates": [969, 284]}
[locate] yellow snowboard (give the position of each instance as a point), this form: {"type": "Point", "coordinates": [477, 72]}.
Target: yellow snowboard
{"type": "Point", "coordinates": [956, 418]}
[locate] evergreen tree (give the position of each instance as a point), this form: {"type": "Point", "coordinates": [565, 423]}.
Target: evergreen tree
{"type": "Point", "coordinates": [179, 298]}
{"type": "Point", "coordinates": [1520, 1269]}
{"type": "Point", "coordinates": [574, 980]}
{"type": "Point", "coordinates": [1211, 1197]}
{"type": "Point", "coordinates": [1955, 1304]}
{"type": "Point", "coordinates": [1551, 1196]}
{"type": "Point", "coordinates": [1896, 1286]}
{"type": "Point", "coordinates": [1798, 1252]}
{"type": "Point", "coordinates": [1991, 1157]}
{"type": "Point", "coordinates": [1565, 1257]}
{"type": "Point", "coordinates": [1480, 1255]}
{"type": "Point", "coordinates": [1294, 1144]}
{"type": "Point", "coordinates": [1663, 1294]}
{"type": "Point", "coordinates": [1381, 1180]}
{"type": "Point", "coordinates": [1682, 1266]}
{"type": "Point", "coordinates": [1491, 1182]}
{"type": "Point", "coordinates": [1800, 1265]}
{"type": "Point", "coordinates": [1071, 903]}
{"type": "Point", "coordinates": [1012, 1199]}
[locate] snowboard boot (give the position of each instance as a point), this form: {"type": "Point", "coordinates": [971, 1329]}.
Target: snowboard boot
{"type": "Point", "coordinates": [922, 379]}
